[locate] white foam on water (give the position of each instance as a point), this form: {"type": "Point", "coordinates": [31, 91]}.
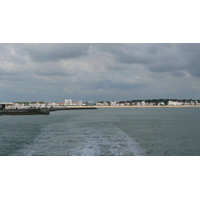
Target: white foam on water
{"type": "Point", "coordinates": [108, 140]}
{"type": "Point", "coordinates": [78, 139]}
{"type": "Point", "coordinates": [40, 145]}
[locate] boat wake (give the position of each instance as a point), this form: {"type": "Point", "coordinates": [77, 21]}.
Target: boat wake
{"type": "Point", "coordinates": [107, 140]}
{"type": "Point", "coordinates": [79, 139]}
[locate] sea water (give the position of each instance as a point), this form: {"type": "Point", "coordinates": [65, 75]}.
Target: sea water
{"type": "Point", "coordinates": [103, 132]}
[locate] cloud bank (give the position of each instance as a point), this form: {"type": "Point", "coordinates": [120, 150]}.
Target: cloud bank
{"type": "Point", "coordinates": [55, 72]}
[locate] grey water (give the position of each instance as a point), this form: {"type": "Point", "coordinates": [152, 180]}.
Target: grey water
{"type": "Point", "coordinates": [103, 132]}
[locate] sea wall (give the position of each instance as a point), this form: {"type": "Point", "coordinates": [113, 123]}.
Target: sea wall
{"type": "Point", "coordinates": [72, 108]}
{"type": "Point", "coordinates": [24, 112]}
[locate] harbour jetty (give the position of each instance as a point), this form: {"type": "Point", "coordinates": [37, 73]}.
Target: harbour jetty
{"type": "Point", "coordinates": [24, 112]}
{"type": "Point", "coordinates": [72, 108]}
{"type": "Point", "coordinates": [39, 111]}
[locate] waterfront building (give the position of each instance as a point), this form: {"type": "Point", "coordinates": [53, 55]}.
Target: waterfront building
{"type": "Point", "coordinates": [75, 104]}
{"type": "Point", "coordinates": [5, 105]}
{"type": "Point", "coordinates": [80, 103]}
{"type": "Point", "coordinates": [113, 103]}
{"type": "Point", "coordinates": [68, 102]}
{"type": "Point", "coordinates": [105, 103]}
{"type": "Point", "coordinates": [61, 104]}
{"type": "Point", "coordinates": [2, 106]}
{"type": "Point", "coordinates": [192, 103]}
{"type": "Point", "coordinates": [174, 103]}
{"type": "Point", "coordinates": [161, 104]}
{"type": "Point", "coordinates": [102, 103]}
{"type": "Point", "coordinates": [90, 103]}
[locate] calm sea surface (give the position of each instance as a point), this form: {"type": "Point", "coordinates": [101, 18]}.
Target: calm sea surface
{"type": "Point", "coordinates": [103, 132]}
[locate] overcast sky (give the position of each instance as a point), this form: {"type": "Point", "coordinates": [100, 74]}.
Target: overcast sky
{"type": "Point", "coordinates": [92, 72]}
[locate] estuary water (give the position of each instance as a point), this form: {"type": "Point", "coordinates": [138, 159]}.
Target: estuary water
{"type": "Point", "coordinates": [103, 132]}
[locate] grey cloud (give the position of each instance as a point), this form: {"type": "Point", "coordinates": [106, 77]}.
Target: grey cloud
{"type": "Point", "coordinates": [195, 71]}
{"type": "Point", "coordinates": [159, 57]}
{"type": "Point", "coordinates": [177, 73]}
{"type": "Point", "coordinates": [12, 53]}
{"type": "Point", "coordinates": [109, 85]}
{"type": "Point", "coordinates": [52, 69]}
{"type": "Point", "coordinates": [54, 52]}
{"type": "Point", "coordinates": [134, 53]}
{"type": "Point", "coordinates": [145, 70]}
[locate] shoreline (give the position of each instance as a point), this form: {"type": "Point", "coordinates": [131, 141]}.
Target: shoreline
{"type": "Point", "coordinates": [97, 107]}
{"type": "Point", "coordinates": [187, 106]}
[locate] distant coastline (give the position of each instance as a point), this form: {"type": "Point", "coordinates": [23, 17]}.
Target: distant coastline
{"type": "Point", "coordinates": [183, 106]}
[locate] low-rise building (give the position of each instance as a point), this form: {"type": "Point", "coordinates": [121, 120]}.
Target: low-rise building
{"type": "Point", "coordinates": [80, 103]}
{"type": "Point", "coordinates": [90, 103]}
{"type": "Point", "coordinates": [68, 102]}
{"type": "Point", "coordinates": [4, 105]}
{"type": "Point", "coordinates": [192, 103]}
{"type": "Point", "coordinates": [174, 103]}
{"type": "Point", "coordinates": [161, 104]}
{"type": "Point", "coordinates": [113, 103]}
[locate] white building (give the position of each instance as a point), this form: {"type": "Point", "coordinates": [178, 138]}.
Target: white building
{"type": "Point", "coordinates": [174, 103]}
{"type": "Point", "coordinates": [68, 102]}
{"type": "Point", "coordinates": [113, 103]}
{"type": "Point", "coordinates": [192, 103]}
{"type": "Point", "coordinates": [80, 103]}
{"type": "Point", "coordinates": [90, 103]}
{"type": "Point", "coordinates": [161, 104]}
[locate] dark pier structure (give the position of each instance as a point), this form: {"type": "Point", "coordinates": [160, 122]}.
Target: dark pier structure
{"type": "Point", "coordinates": [4, 111]}
{"type": "Point", "coordinates": [38, 111]}
{"type": "Point", "coordinates": [74, 108]}
{"type": "Point", "coordinates": [24, 112]}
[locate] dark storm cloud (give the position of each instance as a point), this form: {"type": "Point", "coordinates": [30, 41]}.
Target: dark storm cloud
{"type": "Point", "coordinates": [158, 57]}
{"type": "Point", "coordinates": [177, 73]}
{"type": "Point", "coordinates": [54, 52]}
{"type": "Point", "coordinates": [133, 53]}
{"type": "Point", "coordinates": [195, 71]}
{"type": "Point", "coordinates": [192, 53]}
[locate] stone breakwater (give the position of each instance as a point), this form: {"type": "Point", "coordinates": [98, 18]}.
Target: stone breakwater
{"type": "Point", "coordinates": [40, 111]}
{"type": "Point", "coordinates": [24, 112]}
{"type": "Point", "coordinates": [73, 108]}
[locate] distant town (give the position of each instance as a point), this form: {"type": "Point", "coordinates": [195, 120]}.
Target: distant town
{"type": "Point", "coordinates": [69, 102]}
